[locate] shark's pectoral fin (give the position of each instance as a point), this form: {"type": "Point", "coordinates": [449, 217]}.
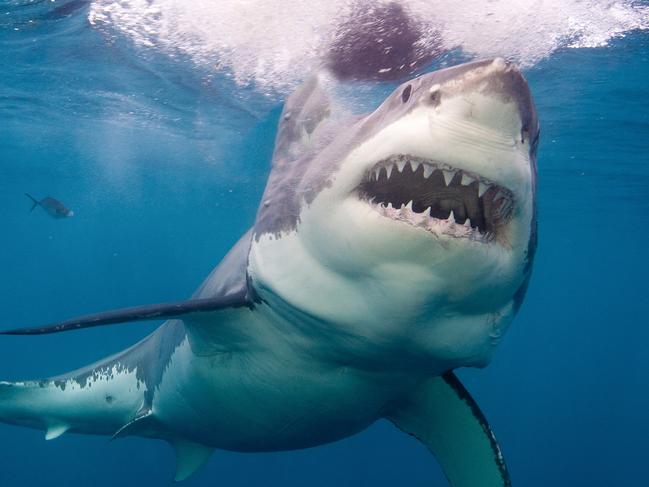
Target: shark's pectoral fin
{"type": "Point", "coordinates": [189, 458]}
{"type": "Point", "coordinates": [140, 313]}
{"type": "Point", "coordinates": [444, 416]}
{"type": "Point", "coordinates": [226, 287]}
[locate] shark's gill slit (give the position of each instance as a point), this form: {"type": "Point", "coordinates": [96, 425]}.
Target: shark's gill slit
{"type": "Point", "coordinates": [437, 197]}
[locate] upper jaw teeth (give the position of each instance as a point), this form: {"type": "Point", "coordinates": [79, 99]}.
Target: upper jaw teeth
{"type": "Point", "coordinates": [438, 197]}
{"type": "Point", "coordinates": [466, 179]}
{"type": "Point", "coordinates": [449, 172]}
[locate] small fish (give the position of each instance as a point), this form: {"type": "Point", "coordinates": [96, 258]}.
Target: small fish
{"type": "Point", "coordinates": [52, 206]}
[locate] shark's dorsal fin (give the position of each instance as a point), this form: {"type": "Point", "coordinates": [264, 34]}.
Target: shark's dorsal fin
{"type": "Point", "coordinates": [190, 457]}
{"type": "Point", "coordinates": [303, 112]}
{"type": "Point", "coordinates": [444, 417]}
{"type": "Point", "coordinates": [312, 117]}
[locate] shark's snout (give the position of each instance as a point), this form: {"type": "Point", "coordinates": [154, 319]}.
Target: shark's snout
{"type": "Point", "coordinates": [506, 81]}
{"type": "Point", "coordinates": [491, 93]}
{"type": "Point", "coordinates": [483, 110]}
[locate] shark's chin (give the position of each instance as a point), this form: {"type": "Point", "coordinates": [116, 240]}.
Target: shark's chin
{"type": "Point", "coordinates": [438, 198]}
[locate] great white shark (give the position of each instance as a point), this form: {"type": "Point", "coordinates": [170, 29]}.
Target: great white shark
{"type": "Point", "coordinates": [388, 250]}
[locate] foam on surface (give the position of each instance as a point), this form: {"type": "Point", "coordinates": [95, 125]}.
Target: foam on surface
{"type": "Point", "coordinates": [273, 43]}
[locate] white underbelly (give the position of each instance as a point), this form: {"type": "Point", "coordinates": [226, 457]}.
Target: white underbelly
{"type": "Point", "coordinates": [267, 402]}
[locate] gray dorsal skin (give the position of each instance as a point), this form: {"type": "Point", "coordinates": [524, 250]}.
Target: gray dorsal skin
{"type": "Point", "coordinates": [388, 249]}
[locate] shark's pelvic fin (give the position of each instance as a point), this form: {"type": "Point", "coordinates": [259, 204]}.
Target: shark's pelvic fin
{"type": "Point", "coordinates": [56, 430]}
{"type": "Point", "coordinates": [443, 415]}
{"type": "Point", "coordinates": [138, 424]}
{"type": "Point", "coordinates": [140, 313]}
{"type": "Point", "coordinates": [189, 458]}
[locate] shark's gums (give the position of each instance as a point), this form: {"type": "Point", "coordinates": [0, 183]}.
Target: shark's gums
{"type": "Point", "coordinates": [388, 249]}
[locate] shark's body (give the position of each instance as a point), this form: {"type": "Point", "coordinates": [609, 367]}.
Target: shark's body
{"type": "Point", "coordinates": [340, 306]}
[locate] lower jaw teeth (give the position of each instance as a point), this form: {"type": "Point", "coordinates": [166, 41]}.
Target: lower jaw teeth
{"type": "Point", "coordinates": [434, 225]}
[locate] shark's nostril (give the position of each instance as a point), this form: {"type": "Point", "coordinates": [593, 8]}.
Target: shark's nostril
{"type": "Point", "coordinates": [435, 97]}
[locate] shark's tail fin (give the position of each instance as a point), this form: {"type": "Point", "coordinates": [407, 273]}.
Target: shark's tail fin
{"type": "Point", "coordinates": [34, 200]}
{"type": "Point", "coordinates": [57, 406]}
{"type": "Point", "coordinates": [15, 408]}
{"type": "Point", "coordinates": [100, 400]}
{"type": "Point", "coordinates": [70, 403]}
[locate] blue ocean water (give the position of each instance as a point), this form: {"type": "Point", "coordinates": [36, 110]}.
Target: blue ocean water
{"type": "Point", "coordinates": [163, 158]}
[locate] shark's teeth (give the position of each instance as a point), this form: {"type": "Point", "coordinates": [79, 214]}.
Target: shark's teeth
{"type": "Point", "coordinates": [428, 170]}
{"type": "Point", "coordinates": [448, 176]}
{"type": "Point", "coordinates": [418, 219]}
{"type": "Point", "coordinates": [427, 222]}
{"type": "Point", "coordinates": [466, 179]}
{"type": "Point", "coordinates": [434, 189]}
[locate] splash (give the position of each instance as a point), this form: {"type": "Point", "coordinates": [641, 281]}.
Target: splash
{"type": "Point", "coordinates": [273, 44]}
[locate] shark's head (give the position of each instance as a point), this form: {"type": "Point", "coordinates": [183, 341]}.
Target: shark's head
{"type": "Point", "coordinates": [413, 229]}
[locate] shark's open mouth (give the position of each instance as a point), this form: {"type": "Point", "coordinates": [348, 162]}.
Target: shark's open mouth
{"type": "Point", "coordinates": [438, 197]}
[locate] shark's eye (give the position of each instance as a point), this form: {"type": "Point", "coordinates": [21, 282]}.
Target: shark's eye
{"type": "Point", "coordinates": [405, 95]}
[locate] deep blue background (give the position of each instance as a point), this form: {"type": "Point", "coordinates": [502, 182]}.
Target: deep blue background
{"type": "Point", "coordinates": [164, 166]}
